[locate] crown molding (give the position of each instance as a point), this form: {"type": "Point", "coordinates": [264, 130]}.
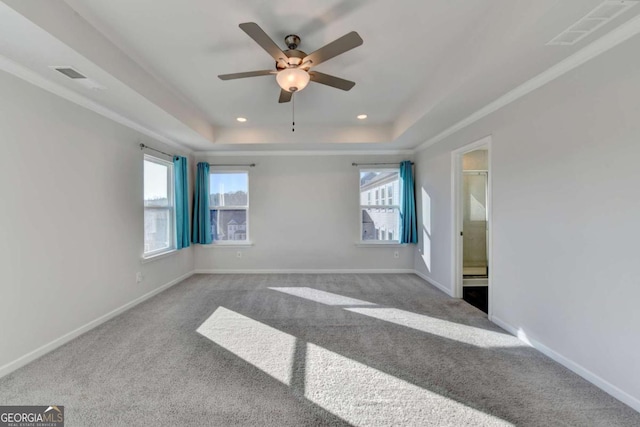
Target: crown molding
{"type": "Point", "coordinates": [601, 45]}
{"type": "Point", "coordinates": [293, 153]}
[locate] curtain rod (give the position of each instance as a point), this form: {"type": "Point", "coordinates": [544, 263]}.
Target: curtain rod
{"type": "Point", "coordinates": [247, 164]}
{"type": "Point", "coordinates": [142, 147]}
{"type": "Point", "coordinates": [374, 164]}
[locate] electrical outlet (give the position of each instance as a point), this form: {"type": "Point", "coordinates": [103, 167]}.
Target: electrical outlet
{"type": "Point", "coordinates": [239, 254]}
{"type": "Point", "coordinates": [396, 254]}
{"type": "Point", "coordinates": [139, 277]}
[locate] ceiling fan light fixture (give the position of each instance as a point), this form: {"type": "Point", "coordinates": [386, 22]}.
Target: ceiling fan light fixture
{"type": "Point", "coordinates": [292, 79]}
{"type": "Point", "coordinates": [292, 66]}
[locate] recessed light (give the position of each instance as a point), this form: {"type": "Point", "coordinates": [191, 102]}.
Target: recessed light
{"type": "Point", "coordinates": [241, 119]}
{"type": "Point", "coordinates": [362, 116]}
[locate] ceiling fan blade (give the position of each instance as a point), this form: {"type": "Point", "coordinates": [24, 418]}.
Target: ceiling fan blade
{"type": "Point", "coordinates": [246, 74]}
{"type": "Point", "coordinates": [335, 48]}
{"type": "Point", "coordinates": [254, 31]}
{"type": "Point", "coordinates": [332, 81]}
{"type": "Point", "coordinates": [285, 96]}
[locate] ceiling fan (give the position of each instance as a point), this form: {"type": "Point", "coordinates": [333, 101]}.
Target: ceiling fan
{"type": "Point", "coordinates": [292, 69]}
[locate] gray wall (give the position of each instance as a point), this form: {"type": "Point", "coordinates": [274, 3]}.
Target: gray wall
{"type": "Point", "coordinates": [565, 217]}
{"type": "Point", "coordinates": [71, 222]}
{"type": "Point", "coordinates": [304, 215]}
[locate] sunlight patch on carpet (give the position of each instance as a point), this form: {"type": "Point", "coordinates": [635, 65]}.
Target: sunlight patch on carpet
{"type": "Point", "coordinates": [466, 334]}
{"type": "Point", "coordinates": [322, 297]}
{"type": "Point", "coordinates": [443, 328]}
{"type": "Point", "coordinates": [266, 348]}
{"type": "Point", "coordinates": [351, 390]}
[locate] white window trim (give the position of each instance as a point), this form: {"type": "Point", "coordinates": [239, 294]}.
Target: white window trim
{"type": "Point", "coordinates": [152, 258]}
{"type": "Point", "coordinates": [153, 255]}
{"type": "Point", "coordinates": [376, 243]}
{"type": "Point", "coordinates": [234, 243]}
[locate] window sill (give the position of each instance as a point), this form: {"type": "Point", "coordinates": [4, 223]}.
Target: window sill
{"type": "Point", "coordinates": [228, 244]}
{"type": "Point", "coordinates": [380, 245]}
{"type": "Point", "coordinates": [152, 258]}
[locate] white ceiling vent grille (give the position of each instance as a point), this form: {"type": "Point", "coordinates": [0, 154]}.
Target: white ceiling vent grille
{"type": "Point", "coordinates": [78, 77]}
{"type": "Point", "coordinates": [595, 19]}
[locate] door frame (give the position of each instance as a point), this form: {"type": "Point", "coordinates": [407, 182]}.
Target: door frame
{"type": "Point", "coordinates": [457, 215]}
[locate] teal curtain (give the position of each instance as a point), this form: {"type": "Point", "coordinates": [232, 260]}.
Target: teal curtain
{"type": "Point", "coordinates": [201, 224]}
{"type": "Point", "coordinates": [408, 227]}
{"type": "Point", "coordinates": [182, 201]}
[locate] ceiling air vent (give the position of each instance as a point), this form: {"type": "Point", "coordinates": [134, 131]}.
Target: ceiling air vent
{"type": "Point", "coordinates": [595, 19]}
{"type": "Point", "coordinates": [69, 72]}
{"type": "Point", "coordinates": [78, 77]}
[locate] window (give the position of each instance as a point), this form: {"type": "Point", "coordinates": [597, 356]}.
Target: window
{"type": "Point", "coordinates": [159, 216]}
{"type": "Point", "coordinates": [229, 206]}
{"type": "Point", "coordinates": [380, 222]}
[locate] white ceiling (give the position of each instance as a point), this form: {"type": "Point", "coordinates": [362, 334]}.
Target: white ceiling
{"type": "Point", "coordinates": [423, 67]}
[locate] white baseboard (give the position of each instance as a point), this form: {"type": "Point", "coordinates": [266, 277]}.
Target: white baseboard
{"type": "Point", "coordinates": [41, 351]}
{"type": "Point", "coordinates": [434, 283]}
{"type": "Point", "coordinates": [578, 369]}
{"type": "Point", "coordinates": [307, 271]}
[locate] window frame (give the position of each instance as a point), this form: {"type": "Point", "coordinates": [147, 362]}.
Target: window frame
{"type": "Point", "coordinates": [377, 206]}
{"type": "Point", "coordinates": [171, 208]}
{"type": "Point", "coordinates": [246, 208]}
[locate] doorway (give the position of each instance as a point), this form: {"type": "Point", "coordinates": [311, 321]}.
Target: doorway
{"type": "Point", "coordinates": [475, 263]}
{"type": "Point", "coordinates": [471, 209]}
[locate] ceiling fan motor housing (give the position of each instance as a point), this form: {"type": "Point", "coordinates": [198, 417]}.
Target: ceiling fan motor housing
{"type": "Point", "coordinates": [294, 58]}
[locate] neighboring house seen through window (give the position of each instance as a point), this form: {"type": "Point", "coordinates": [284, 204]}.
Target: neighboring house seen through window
{"type": "Point", "coordinates": [229, 205]}
{"type": "Point", "coordinates": [380, 222]}
{"type": "Point", "coordinates": [159, 210]}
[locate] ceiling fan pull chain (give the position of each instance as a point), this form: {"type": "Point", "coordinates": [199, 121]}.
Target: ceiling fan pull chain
{"type": "Point", "coordinates": [293, 112]}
